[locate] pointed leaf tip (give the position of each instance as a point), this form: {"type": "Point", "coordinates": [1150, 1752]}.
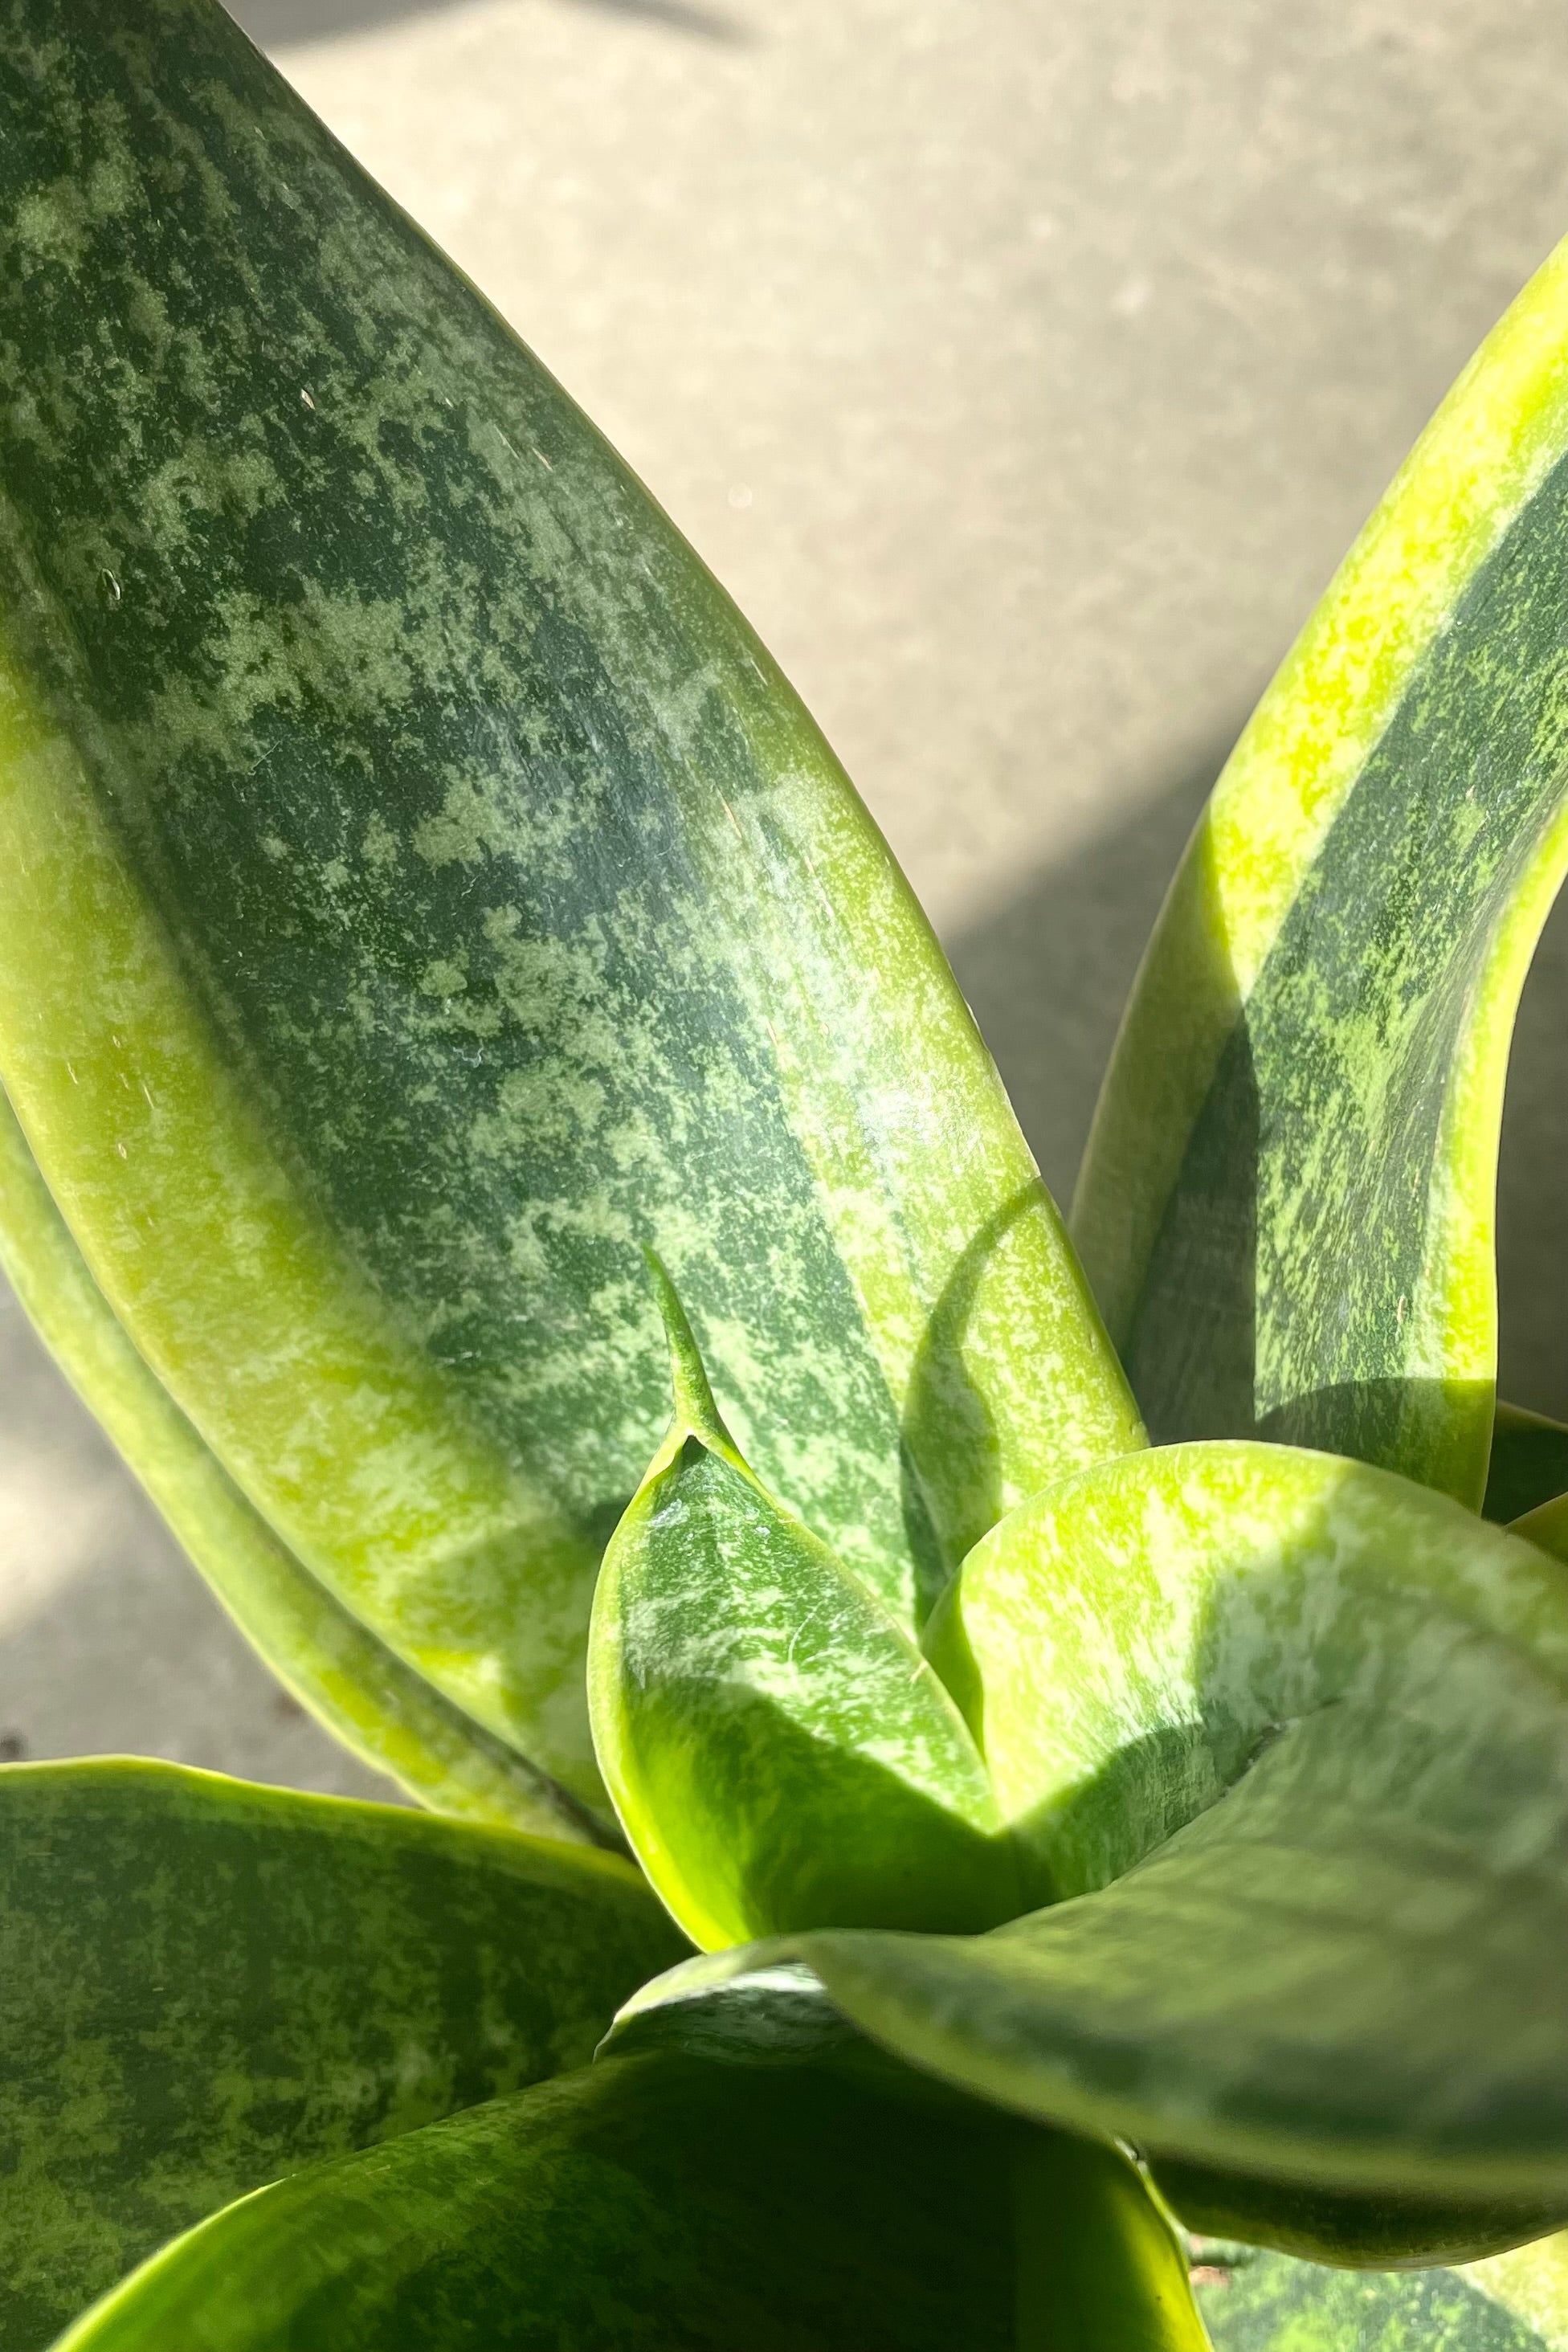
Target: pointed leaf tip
{"type": "Point", "coordinates": [691, 1394]}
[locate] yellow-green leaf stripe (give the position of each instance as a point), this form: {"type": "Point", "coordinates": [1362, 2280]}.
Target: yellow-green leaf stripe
{"type": "Point", "coordinates": [1285, 1207]}
{"type": "Point", "coordinates": [418, 892]}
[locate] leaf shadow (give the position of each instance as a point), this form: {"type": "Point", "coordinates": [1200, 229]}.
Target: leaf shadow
{"type": "Point", "coordinates": [293, 24]}
{"type": "Point", "coordinates": [1047, 973]}
{"type": "Point", "coordinates": [1290, 1831]}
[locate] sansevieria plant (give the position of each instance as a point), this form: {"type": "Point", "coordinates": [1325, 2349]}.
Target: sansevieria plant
{"type": "Point", "coordinates": [982, 1790]}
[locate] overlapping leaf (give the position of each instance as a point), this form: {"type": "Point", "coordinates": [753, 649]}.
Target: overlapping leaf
{"type": "Point", "coordinates": [779, 1753]}
{"type": "Point", "coordinates": [363, 1693]}
{"type": "Point", "coordinates": [1290, 1735]}
{"type": "Point", "coordinates": [663, 2202]}
{"type": "Point", "coordinates": [203, 1985]}
{"type": "Point", "coordinates": [418, 888]}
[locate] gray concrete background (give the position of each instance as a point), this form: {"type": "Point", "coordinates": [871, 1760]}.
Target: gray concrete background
{"type": "Point", "coordinates": [1025, 373]}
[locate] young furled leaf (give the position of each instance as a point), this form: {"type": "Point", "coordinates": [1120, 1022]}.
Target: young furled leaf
{"type": "Point", "coordinates": [779, 1753]}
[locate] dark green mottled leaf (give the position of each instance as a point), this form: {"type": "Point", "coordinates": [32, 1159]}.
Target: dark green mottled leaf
{"type": "Point", "coordinates": [663, 2203]}
{"type": "Point", "coordinates": [779, 1753]}
{"type": "Point", "coordinates": [1529, 1463]}
{"type": "Point", "coordinates": [205, 1984]}
{"type": "Point", "coordinates": [418, 888]}
{"type": "Point", "coordinates": [1291, 1734]}
{"type": "Point", "coordinates": [1286, 1203]}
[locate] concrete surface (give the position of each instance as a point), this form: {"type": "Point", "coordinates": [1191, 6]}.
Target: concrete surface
{"type": "Point", "coordinates": [1025, 373]}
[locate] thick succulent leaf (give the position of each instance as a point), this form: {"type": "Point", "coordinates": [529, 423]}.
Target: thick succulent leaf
{"type": "Point", "coordinates": [663, 2202]}
{"type": "Point", "coordinates": [1342, 1979]}
{"type": "Point", "coordinates": [1127, 1641]}
{"type": "Point", "coordinates": [1380, 1682]}
{"type": "Point", "coordinates": [779, 1753]}
{"type": "Point", "coordinates": [418, 887]}
{"type": "Point", "coordinates": [1285, 1207]}
{"type": "Point", "coordinates": [203, 1985]}
{"type": "Point", "coordinates": [1529, 1463]}
{"type": "Point", "coordinates": [1259, 2302]}
{"type": "Point", "coordinates": [334, 1666]}
{"type": "Point", "coordinates": [1353, 2231]}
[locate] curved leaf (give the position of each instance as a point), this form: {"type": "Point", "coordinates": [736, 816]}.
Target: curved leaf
{"type": "Point", "coordinates": [1131, 1637]}
{"type": "Point", "coordinates": [665, 2203]}
{"type": "Point", "coordinates": [360, 1689]}
{"type": "Point", "coordinates": [205, 1984]}
{"type": "Point", "coordinates": [1339, 1981]}
{"type": "Point", "coordinates": [779, 1752]}
{"type": "Point", "coordinates": [418, 888]}
{"type": "Point", "coordinates": [1286, 1206]}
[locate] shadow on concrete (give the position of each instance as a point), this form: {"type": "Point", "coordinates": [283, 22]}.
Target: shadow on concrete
{"type": "Point", "coordinates": [1047, 975]}
{"type": "Point", "coordinates": [1048, 972]}
{"type": "Point", "coordinates": [286, 24]}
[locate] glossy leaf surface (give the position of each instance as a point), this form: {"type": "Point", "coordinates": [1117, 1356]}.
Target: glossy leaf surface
{"type": "Point", "coordinates": [205, 1984]}
{"type": "Point", "coordinates": [779, 1753]}
{"type": "Point", "coordinates": [1286, 1203]}
{"type": "Point", "coordinates": [656, 2202]}
{"type": "Point", "coordinates": [1132, 1639]}
{"type": "Point", "coordinates": [379, 1707]}
{"type": "Point", "coordinates": [1294, 1733]}
{"type": "Point", "coordinates": [418, 888]}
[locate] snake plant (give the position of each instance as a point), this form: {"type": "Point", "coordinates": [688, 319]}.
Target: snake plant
{"type": "Point", "coordinates": [981, 1787]}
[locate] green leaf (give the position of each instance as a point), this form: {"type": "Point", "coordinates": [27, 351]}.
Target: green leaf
{"type": "Point", "coordinates": [203, 1985]}
{"type": "Point", "coordinates": [665, 2203]}
{"type": "Point", "coordinates": [334, 1666]}
{"type": "Point", "coordinates": [1531, 2282]}
{"type": "Point", "coordinates": [1256, 2302]}
{"type": "Point", "coordinates": [417, 890]}
{"type": "Point", "coordinates": [1286, 1208]}
{"type": "Point", "coordinates": [1130, 1639]}
{"type": "Point", "coordinates": [779, 1753]}
{"type": "Point", "coordinates": [1529, 1463]}
{"type": "Point", "coordinates": [1294, 1733]}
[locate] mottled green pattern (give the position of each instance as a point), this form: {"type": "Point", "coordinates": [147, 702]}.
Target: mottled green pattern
{"type": "Point", "coordinates": [203, 1985]}
{"type": "Point", "coordinates": [1132, 1635]}
{"type": "Point", "coordinates": [447, 895]}
{"type": "Point", "coordinates": [1287, 1738]}
{"type": "Point", "coordinates": [1531, 2281]}
{"type": "Point", "coordinates": [780, 1754]}
{"type": "Point", "coordinates": [360, 1689]}
{"type": "Point", "coordinates": [1317, 1267]}
{"type": "Point", "coordinates": [1266, 2302]}
{"type": "Point", "coordinates": [654, 2203]}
